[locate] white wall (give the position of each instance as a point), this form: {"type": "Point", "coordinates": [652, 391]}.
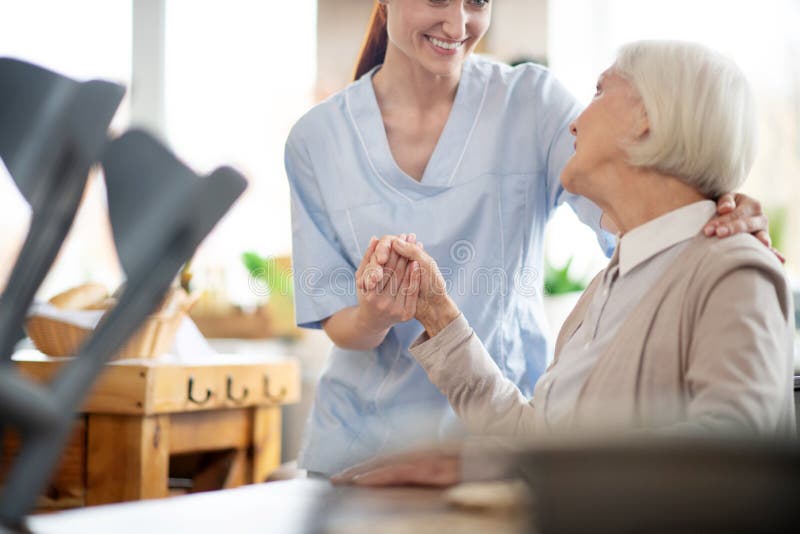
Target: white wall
{"type": "Point", "coordinates": [519, 29]}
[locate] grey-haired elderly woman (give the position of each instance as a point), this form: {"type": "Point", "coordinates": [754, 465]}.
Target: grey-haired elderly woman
{"type": "Point", "coordinates": [680, 332]}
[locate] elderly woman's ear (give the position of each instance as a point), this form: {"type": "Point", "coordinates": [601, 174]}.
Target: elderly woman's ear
{"type": "Point", "coordinates": [642, 126]}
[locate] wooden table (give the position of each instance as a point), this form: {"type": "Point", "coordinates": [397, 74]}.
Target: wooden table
{"type": "Point", "coordinates": [142, 412]}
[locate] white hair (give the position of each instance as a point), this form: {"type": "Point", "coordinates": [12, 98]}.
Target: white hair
{"type": "Point", "coordinates": [701, 114]}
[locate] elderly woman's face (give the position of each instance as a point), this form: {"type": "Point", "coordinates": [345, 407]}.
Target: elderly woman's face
{"type": "Point", "coordinates": [614, 117]}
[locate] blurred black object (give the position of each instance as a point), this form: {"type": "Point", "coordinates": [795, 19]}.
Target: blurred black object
{"type": "Point", "coordinates": [52, 129]}
{"type": "Point", "coordinates": [663, 485]}
{"type": "Point", "coordinates": [797, 398]}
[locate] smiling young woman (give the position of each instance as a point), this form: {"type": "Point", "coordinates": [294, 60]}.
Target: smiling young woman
{"type": "Point", "coordinates": [449, 42]}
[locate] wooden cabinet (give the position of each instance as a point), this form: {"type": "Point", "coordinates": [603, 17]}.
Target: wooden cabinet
{"type": "Point", "coordinates": [141, 413]}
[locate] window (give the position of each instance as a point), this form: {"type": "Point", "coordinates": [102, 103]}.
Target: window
{"type": "Point", "coordinates": [761, 36]}
{"type": "Point", "coordinates": [83, 39]}
{"type": "Point", "coordinates": [238, 75]}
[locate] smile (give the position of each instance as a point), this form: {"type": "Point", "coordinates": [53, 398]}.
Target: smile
{"type": "Point", "coordinates": [446, 45]}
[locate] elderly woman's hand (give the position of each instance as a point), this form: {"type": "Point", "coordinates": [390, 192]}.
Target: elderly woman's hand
{"type": "Point", "coordinates": [433, 468]}
{"type": "Point", "coordinates": [435, 309]}
{"type": "Point", "coordinates": [738, 213]}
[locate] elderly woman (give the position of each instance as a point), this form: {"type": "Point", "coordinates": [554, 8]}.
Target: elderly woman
{"type": "Point", "coordinates": [680, 332]}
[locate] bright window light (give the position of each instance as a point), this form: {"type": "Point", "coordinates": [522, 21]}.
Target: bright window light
{"type": "Point", "coordinates": [238, 75]}
{"type": "Point", "coordinates": [83, 39]}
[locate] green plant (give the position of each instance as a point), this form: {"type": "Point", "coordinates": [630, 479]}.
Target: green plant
{"type": "Point", "coordinates": [777, 216]}
{"type": "Point", "coordinates": [558, 281]}
{"type": "Point", "coordinates": [266, 269]}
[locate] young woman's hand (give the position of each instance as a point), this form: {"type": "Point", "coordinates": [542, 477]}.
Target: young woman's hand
{"type": "Point", "coordinates": [388, 291]}
{"type": "Point", "coordinates": [738, 213]}
{"type": "Point", "coordinates": [386, 295]}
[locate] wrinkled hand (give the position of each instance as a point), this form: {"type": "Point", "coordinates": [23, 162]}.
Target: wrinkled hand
{"type": "Point", "coordinates": [738, 213]}
{"type": "Point", "coordinates": [435, 309]}
{"type": "Point", "coordinates": [432, 468]}
{"type": "Point", "coordinates": [387, 293]}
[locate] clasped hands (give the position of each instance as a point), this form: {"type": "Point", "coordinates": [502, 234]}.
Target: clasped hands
{"type": "Point", "coordinates": [398, 281]}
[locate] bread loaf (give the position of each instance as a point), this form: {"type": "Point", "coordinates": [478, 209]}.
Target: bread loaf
{"type": "Point", "coordinates": [81, 297]}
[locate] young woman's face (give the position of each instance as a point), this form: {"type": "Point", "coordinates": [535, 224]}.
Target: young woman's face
{"type": "Point", "coordinates": [437, 34]}
{"type": "Point", "coordinates": [613, 118]}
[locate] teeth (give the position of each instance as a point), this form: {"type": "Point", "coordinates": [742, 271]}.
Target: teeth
{"type": "Point", "coordinates": [446, 46]}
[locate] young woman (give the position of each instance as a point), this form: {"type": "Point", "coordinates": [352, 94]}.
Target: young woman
{"type": "Point", "coordinates": [461, 152]}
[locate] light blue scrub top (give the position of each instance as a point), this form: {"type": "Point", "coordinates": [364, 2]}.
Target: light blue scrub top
{"type": "Point", "coordinates": [480, 209]}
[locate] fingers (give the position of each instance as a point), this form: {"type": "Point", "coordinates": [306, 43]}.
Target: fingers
{"type": "Point", "coordinates": [763, 236]}
{"type": "Point", "coordinates": [440, 473]}
{"type": "Point", "coordinates": [736, 223]}
{"type": "Point", "coordinates": [383, 249]}
{"type": "Point", "coordinates": [368, 273]}
{"type": "Point", "coordinates": [372, 275]}
{"type": "Point", "coordinates": [396, 265]}
{"type": "Point", "coordinates": [390, 266]}
{"type": "Point", "coordinates": [373, 242]}
{"type": "Point", "coordinates": [394, 475]}
{"type": "Point", "coordinates": [348, 475]}
{"type": "Point", "coordinates": [727, 211]}
{"type": "Point", "coordinates": [410, 289]}
{"type": "Point", "coordinates": [425, 467]}
{"type": "Point", "coordinates": [726, 204]}
{"type": "Point", "coordinates": [385, 265]}
{"type": "Point", "coordinates": [398, 268]}
{"type": "Point", "coordinates": [746, 217]}
{"type": "Point", "coordinates": [747, 205]}
{"type": "Point", "coordinates": [411, 251]}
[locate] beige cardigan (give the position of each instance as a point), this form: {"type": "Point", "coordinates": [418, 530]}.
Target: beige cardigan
{"type": "Point", "coordinates": [708, 349]}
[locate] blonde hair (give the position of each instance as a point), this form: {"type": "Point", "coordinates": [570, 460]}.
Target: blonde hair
{"type": "Point", "coordinates": [701, 113]}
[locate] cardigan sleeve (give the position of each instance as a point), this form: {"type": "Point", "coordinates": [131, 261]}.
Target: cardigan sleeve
{"type": "Point", "coordinates": [459, 365]}
{"type": "Point", "coordinates": [739, 365]}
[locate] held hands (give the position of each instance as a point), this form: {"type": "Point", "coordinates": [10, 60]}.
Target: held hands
{"type": "Point", "coordinates": [388, 289]}
{"type": "Point", "coordinates": [738, 213]}
{"type": "Point", "coordinates": [434, 308]}
{"type": "Point", "coordinates": [425, 295]}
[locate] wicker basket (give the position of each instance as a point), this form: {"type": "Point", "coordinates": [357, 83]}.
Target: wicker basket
{"type": "Point", "coordinates": [59, 338]}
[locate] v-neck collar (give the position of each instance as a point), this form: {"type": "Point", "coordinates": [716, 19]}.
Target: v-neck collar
{"type": "Point", "coordinates": [362, 105]}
